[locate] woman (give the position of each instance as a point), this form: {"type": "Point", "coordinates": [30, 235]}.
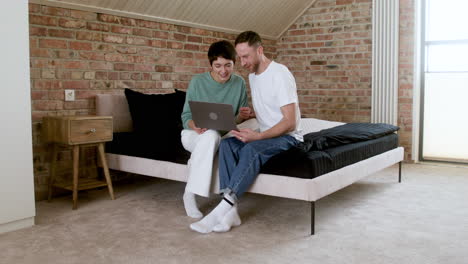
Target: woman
{"type": "Point", "coordinates": [219, 85]}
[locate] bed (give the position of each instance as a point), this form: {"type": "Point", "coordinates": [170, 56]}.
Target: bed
{"type": "Point", "coordinates": [337, 163]}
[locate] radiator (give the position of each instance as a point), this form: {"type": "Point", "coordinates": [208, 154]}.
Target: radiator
{"type": "Point", "coordinates": [385, 30]}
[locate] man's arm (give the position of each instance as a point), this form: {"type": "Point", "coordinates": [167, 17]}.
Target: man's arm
{"type": "Point", "coordinates": [284, 126]}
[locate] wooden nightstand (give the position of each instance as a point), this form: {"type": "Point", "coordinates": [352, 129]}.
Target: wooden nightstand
{"type": "Point", "coordinates": [76, 131]}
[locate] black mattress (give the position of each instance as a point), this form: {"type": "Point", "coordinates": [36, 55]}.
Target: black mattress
{"type": "Point", "coordinates": [308, 165]}
{"type": "Point", "coordinates": [295, 162]}
{"type": "Point", "coordinates": [147, 146]}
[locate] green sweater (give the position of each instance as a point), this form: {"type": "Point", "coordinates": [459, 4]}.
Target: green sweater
{"type": "Point", "coordinates": [202, 87]}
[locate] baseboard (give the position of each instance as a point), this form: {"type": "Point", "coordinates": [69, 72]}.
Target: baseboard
{"type": "Point", "coordinates": [16, 225]}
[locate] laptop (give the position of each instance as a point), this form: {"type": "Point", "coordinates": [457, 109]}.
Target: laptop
{"type": "Point", "coordinates": [213, 115]}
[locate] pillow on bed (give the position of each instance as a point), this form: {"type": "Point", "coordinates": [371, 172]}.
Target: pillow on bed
{"type": "Point", "coordinates": [156, 115]}
{"type": "Point", "coordinates": [345, 134]}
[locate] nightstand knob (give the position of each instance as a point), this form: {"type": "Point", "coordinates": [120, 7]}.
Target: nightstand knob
{"type": "Point", "coordinates": [92, 130]}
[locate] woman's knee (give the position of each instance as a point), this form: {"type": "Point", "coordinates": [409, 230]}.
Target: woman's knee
{"type": "Point", "coordinates": [212, 133]}
{"type": "Point", "coordinates": [211, 136]}
{"type": "Point", "coordinates": [187, 137]}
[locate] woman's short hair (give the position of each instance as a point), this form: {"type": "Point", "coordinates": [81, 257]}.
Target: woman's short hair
{"type": "Point", "coordinates": [223, 49]}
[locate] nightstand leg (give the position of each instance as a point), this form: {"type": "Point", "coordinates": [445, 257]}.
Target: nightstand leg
{"type": "Point", "coordinates": [53, 165]}
{"type": "Point", "coordinates": [102, 155]}
{"type": "Point", "coordinates": [76, 160]}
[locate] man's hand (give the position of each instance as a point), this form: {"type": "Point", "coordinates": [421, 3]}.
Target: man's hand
{"type": "Point", "coordinates": [284, 126]}
{"type": "Point", "coordinates": [244, 114]}
{"type": "Point", "coordinates": [199, 131]}
{"type": "Point", "coordinates": [246, 135]}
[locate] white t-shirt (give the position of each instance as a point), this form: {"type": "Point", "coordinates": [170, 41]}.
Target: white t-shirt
{"type": "Point", "coordinates": [272, 89]}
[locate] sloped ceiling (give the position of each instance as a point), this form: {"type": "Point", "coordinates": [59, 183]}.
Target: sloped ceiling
{"type": "Point", "coordinates": [270, 18]}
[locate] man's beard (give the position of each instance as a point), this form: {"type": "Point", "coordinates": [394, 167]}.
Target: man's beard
{"type": "Point", "coordinates": [255, 67]}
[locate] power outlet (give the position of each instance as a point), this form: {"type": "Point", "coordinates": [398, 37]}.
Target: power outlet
{"type": "Point", "coordinates": [69, 95]}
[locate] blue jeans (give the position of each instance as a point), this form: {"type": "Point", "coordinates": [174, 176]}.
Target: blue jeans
{"type": "Point", "coordinates": [240, 163]}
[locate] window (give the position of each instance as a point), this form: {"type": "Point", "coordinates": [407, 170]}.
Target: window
{"type": "Point", "coordinates": [445, 92]}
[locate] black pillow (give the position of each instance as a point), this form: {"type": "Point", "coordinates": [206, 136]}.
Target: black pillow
{"type": "Point", "coordinates": [345, 134]}
{"type": "Point", "coordinates": [156, 115]}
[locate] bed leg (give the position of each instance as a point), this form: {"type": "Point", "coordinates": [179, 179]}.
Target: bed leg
{"type": "Point", "coordinates": [312, 218]}
{"type": "Point", "coordinates": [399, 171]}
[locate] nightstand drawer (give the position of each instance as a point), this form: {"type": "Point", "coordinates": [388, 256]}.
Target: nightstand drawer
{"type": "Point", "coordinates": [89, 131]}
{"type": "Point", "coordinates": [73, 130]}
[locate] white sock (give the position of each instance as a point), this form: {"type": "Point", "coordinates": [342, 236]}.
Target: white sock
{"type": "Point", "coordinates": [208, 222]}
{"type": "Point", "coordinates": [190, 205]}
{"type": "Point", "coordinates": [229, 220]}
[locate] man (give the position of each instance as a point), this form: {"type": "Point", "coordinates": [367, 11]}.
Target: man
{"type": "Point", "coordinates": [241, 157]}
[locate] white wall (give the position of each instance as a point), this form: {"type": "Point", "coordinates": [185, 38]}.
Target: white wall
{"type": "Point", "coordinates": [17, 209]}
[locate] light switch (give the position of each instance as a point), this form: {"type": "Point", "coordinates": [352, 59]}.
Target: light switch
{"type": "Point", "coordinates": [69, 95]}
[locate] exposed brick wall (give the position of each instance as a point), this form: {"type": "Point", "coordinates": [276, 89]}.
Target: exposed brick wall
{"type": "Point", "coordinates": [96, 53]}
{"type": "Point", "coordinates": [329, 51]}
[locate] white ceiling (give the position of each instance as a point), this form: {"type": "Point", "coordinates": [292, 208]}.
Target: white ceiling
{"type": "Point", "coordinates": [270, 18]}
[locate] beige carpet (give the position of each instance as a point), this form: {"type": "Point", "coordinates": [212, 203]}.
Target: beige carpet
{"type": "Point", "coordinates": [422, 220]}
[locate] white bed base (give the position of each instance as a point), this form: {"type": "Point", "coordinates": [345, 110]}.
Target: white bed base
{"type": "Point", "coordinates": [310, 190]}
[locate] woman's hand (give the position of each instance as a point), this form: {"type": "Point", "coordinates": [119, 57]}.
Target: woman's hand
{"type": "Point", "coordinates": [199, 131]}
{"type": "Point", "coordinates": [244, 114]}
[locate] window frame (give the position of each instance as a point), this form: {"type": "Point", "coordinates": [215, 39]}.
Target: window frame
{"type": "Point", "coordinates": [423, 70]}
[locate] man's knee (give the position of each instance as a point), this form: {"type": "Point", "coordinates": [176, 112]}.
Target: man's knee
{"type": "Point", "coordinates": [250, 149]}
{"type": "Point", "coordinates": [257, 149]}
{"type": "Point", "coordinates": [226, 143]}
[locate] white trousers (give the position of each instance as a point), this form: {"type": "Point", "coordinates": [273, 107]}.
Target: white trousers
{"type": "Point", "coordinates": [204, 148]}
